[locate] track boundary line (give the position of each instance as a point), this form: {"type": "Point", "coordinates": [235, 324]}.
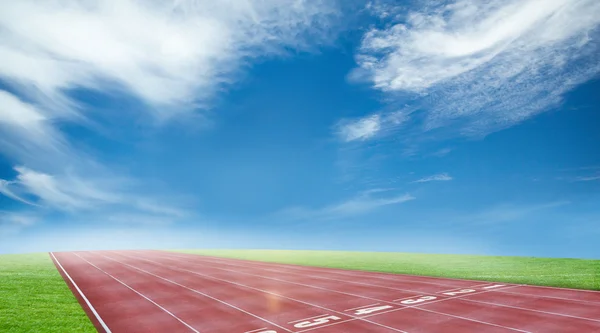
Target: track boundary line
{"type": "Point", "coordinates": [263, 291]}
{"type": "Point", "coordinates": [356, 318]}
{"type": "Point", "coordinates": [102, 323]}
{"type": "Point", "coordinates": [137, 292]}
{"type": "Point", "coordinates": [541, 311]}
{"type": "Point", "coordinates": [377, 272]}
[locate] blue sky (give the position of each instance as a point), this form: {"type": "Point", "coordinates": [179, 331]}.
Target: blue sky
{"type": "Point", "coordinates": [432, 126]}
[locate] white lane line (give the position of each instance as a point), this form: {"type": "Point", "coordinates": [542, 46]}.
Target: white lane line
{"type": "Point", "coordinates": [198, 292]}
{"type": "Point", "coordinates": [417, 306]}
{"type": "Point", "coordinates": [188, 254]}
{"type": "Point", "coordinates": [528, 309]}
{"type": "Point", "coordinates": [303, 319]}
{"type": "Point", "coordinates": [477, 321]}
{"type": "Point", "coordinates": [248, 287]}
{"type": "Point", "coordinates": [493, 286]}
{"type": "Point", "coordinates": [409, 297]}
{"type": "Point", "coordinates": [367, 274]}
{"type": "Point", "coordinates": [494, 290]}
{"type": "Point", "coordinates": [554, 297]}
{"type": "Point", "coordinates": [461, 288]}
{"type": "Point", "coordinates": [264, 277]}
{"type": "Point", "coordinates": [102, 323]}
{"type": "Point", "coordinates": [360, 307]}
{"type": "Point", "coordinates": [320, 277]}
{"type": "Point", "coordinates": [557, 288]}
{"type": "Point", "coordinates": [332, 279]}
{"type": "Point", "coordinates": [142, 295]}
{"type": "Point", "coordinates": [173, 255]}
{"type": "Point", "coordinates": [256, 330]}
{"type": "Point", "coordinates": [395, 309]}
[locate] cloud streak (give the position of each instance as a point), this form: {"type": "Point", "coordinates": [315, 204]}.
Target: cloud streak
{"type": "Point", "coordinates": [363, 203]}
{"type": "Point", "coordinates": [481, 66]}
{"type": "Point", "coordinates": [72, 194]}
{"type": "Point", "coordinates": [360, 129]}
{"type": "Point", "coordinates": [13, 222]}
{"type": "Point", "coordinates": [441, 177]}
{"type": "Point", "coordinates": [510, 212]}
{"type": "Point", "coordinates": [587, 178]}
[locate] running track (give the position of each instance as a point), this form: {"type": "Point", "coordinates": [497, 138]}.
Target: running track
{"type": "Point", "coordinates": [155, 291]}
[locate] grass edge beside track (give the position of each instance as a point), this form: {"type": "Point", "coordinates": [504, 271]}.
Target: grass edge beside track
{"type": "Point", "coordinates": [35, 298]}
{"type": "Point", "coordinates": [553, 272]}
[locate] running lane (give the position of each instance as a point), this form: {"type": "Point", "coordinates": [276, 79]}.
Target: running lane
{"type": "Point", "coordinates": [156, 291]}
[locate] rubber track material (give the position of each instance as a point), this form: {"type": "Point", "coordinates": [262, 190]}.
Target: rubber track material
{"type": "Point", "coordinates": [157, 291]}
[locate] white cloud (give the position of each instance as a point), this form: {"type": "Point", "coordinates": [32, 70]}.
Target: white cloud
{"type": "Point", "coordinates": [60, 192]}
{"type": "Point", "coordinates": [73, 194]}
{"type": "Point", "coordinates": [26, 129]}
{"type": "Point", "coordinates": [483, 66]}
{"type": "Point", "coordinates": [167, 53]}
{"type": "Point", "coordinates": [171, 55]}
{"type": "Point", "coordinates": [13, 222]}
{"type": "Point", "coordinates": [363, 203]}
{"type": "Point", "coordinates": [510, 212]}
{"type": "Point", "coordinates": [369, 126]}
{"type": "Point", "coordinates": [587, 178]}
{"type": "Point", "coordinates": [442, 152]}
{"type": "Point", "coordinates": [359, 129]}
{"type": "Point", "coordinates": [434, 178]}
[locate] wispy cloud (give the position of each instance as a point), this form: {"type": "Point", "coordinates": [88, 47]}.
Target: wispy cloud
{"type": "Point", "coordinates": [510, 212]}
{"type": "Point", "coordinates": [172, 56]}
{"type": "Point", "coordinates": [13, 222]}
{"type": "Point", "coordinates": [360, 129]}
{"type": "Point", "coordinates": [140, 47]}
{"type": "Point", "coordinates": [481, 66]}
{"type": "Point", "coordinates": [364, 202]}
{"type": "Point", "coordinates": [587, 178]}
{"type": "Point", "coordinates": [440, 177]}
{"type": "Point", "coordinates": [27, 132]}
{"type": "Point", "coordinates": [75, 195]}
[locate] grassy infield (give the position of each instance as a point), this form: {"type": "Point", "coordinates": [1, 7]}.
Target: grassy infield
{"type": "Point", "coordinates": [34, 298]}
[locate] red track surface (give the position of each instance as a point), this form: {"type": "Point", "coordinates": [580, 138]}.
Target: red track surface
{"type": "Point", "coordinates": [154, 291]}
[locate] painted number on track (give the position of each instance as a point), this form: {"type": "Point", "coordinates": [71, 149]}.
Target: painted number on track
{"type": "Point", "coordinates": [462, 291]}
{"type": "Point", "coordinates": [316, 321]}
{"type": "Point", "coordinates": [365, 311]}
{"type": "Point", "coordinates": [418, 300]}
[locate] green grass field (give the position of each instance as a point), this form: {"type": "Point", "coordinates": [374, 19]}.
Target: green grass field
{"type": "Point", "coordinates": [568, 273]}
{"type": "Point", "coordinates": [34, 298]}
